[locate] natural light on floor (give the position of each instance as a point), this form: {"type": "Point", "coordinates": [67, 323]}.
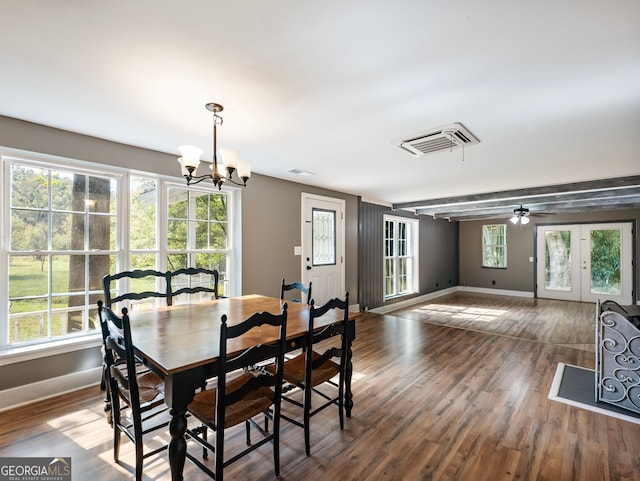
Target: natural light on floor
{"type": "Point", "coordinates": [478, 314]}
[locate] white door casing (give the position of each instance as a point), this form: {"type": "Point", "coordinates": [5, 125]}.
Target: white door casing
{"type": "Point", "coordinates": [570, 247]}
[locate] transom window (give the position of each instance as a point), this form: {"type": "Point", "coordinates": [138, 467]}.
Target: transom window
{"type": "Point", "coordinates": [494, 245]}
{"type": "Point", "coordinates": [400, 256]}
{"type": "Point", "coordinates": [69, 225]}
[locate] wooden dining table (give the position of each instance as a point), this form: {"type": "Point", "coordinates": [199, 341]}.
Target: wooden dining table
{"type": "Point", "coordinates": [181, 344]}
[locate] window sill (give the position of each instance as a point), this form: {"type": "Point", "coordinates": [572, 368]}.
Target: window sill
{"type": "Point", "coordinates": [13, 355]}
{"type": "Point", "coordinates": [400, 296]}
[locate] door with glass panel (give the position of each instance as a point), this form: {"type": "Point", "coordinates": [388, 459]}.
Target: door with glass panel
{"type": "Point", "coordinates": [585, 262]}
{"type": "Point", "coordinates": [323, 246]}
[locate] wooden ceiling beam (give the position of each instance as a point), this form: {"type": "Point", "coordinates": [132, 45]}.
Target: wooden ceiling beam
{"type": "Point", "coordinates": [615, 197]}
{"type": "Point", "coordinates": [514, 194]}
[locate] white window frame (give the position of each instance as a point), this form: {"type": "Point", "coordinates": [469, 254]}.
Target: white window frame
{"type": "Point", "coordinates": [17, 352]}
{"type": "Point", "coordinates": [502, 262]}
{"type": "Point", "coordinates": [412, 252]}
{"type": "Point", "coordinates": [226, 288]}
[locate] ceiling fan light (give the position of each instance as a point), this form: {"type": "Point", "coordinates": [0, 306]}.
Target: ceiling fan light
{"type": "Point", "coordinates": [514, 219]}
{"type": "Point", "coordinates": [524, 220]}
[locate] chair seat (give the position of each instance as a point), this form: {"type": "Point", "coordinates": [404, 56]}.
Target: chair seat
{"type": "Point", "coordinates": [294, 370]}
{"type": "Point", "coordinates": [150, 387]}
{"type": "Point", "coordinates": [255, 402]}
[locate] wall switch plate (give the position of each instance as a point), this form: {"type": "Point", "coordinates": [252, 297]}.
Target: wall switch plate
{"type": "Point", "coordinates": [297, 251]}
{"type": "Point", "coordinates": [530, 259]}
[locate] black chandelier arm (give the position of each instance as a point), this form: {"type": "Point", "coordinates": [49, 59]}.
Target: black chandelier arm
{"type": "Point", "coordinates": [196, 179]}
{"type": "Point", "coordinates": [241, 184]}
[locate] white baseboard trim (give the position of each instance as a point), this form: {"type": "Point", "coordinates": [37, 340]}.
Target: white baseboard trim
{"type": "Point", "coordinates": [497, 292]}
{"type": "Point", "coordinates": [413, 300]}
{"type": "Point", "coordinates": [444, 292]}
{"type": "Point", "coordinates": [37, 391]}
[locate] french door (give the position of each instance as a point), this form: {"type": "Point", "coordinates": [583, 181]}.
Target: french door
{"type": "Point", "coordinates": [323, 245]}
{"type": "Point", "coordinates": [585, 262]}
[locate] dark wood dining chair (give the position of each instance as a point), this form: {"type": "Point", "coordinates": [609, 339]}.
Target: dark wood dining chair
{"type": "Point", "coordinates": [297, 288]}
{"type": "Point", "coordinates": [137, 394]}
{"type": "Point", "coordinates": [193, 280]}
{"type": "Point", "coordinates": [314, 367]}
{"type": "Point", "coordinates": [140, 284]}
{"type": "Point", "coordinates": [241, 393]}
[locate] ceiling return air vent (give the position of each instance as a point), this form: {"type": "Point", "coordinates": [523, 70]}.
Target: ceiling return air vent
{"type": "Point", "coordinates": [443, 138]}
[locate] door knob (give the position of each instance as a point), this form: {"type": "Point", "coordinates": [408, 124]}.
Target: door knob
{"type": "Point", "coordinates": [308, 268]}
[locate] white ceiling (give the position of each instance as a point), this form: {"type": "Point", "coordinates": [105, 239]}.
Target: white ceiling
{"type": "Point", "coordinates": [551, 88]}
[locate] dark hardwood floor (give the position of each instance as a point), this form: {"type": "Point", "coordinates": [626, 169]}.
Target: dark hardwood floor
{"type": "Point", "coordinates": [543, 320]}
{"type": "Point", "coordinates": [455, 389]}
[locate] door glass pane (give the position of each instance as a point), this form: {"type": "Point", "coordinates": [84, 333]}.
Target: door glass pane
{"type": "Point", "coordinates": [558, 260]}
{"type": "Point", "coordinates": [605, 262]}
{"type": "Point", "coordinates": [324, 237]}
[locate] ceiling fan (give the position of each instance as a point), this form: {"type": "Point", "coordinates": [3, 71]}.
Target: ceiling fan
{"type": "Point", "coordinates": [521, 214]}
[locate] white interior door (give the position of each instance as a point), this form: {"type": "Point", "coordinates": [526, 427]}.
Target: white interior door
{"type": "Point", "coordinates": [585, 262]}
{"type": "Point", "coordinates": [323, 246]}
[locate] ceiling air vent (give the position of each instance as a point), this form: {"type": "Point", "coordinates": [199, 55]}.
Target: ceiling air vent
{"type": "Point", "coordinates": [443, 138]}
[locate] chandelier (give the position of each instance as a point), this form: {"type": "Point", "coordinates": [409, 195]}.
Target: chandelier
{"type": "Point", "coordinates": [220, 173]}
{"type": "Point", "coordinates": [520, 215]}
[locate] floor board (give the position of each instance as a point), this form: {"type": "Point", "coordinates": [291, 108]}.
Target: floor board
{"type": "Point", "coordinates": [455, 389]}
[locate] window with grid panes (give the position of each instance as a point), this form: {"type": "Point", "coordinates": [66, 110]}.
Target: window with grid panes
{"type": "Point", "coordinates": [69, 223]}
{"type": "Point", "coordinates": [494, 245]}
{"type": "Point", "coordinates": [400, 256]}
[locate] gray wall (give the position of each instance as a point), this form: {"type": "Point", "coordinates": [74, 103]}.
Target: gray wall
{"type": "Point", "coordinates": [519, 275]}
{"type": "Point", "coordinates": [270, 224]}
{"type": "Point", "coordinates": [438, 255]}
{"type": "Point", "coordinates": [271, 228]}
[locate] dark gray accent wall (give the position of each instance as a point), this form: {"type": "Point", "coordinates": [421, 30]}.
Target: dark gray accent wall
{"type": "Point", "coordinates": [438, 255]}
{"type": "Point", "coordinates": [370, 257]}
{"type": "Point", "coordinates": [519, 274]}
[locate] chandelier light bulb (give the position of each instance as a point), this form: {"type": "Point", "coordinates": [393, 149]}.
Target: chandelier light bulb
{"type": "Point", "coordinates": [244, 169]}
{"type": "Point", "coordinates": [230, 158]}
{"type": "Point", "coordinates": [190, 156]}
